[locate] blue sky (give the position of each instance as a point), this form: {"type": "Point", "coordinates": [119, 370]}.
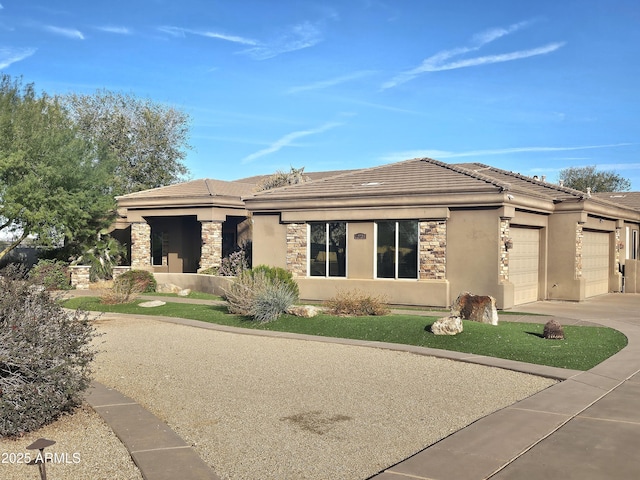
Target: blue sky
{"type": "Point", "coordinates": [531, 87]}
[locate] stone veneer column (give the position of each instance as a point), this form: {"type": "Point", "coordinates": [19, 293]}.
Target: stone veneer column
{"type": "Point", "coordinates": [579, 242]}
{"type": "Point", "coordinates": [297, 249]}
{"type": "Point", "coordinates": [503, 271]}
{"type": "Point", "coordinates": [211, 254]}
{"type": "Point", "coordinates": [140, 245]}
{"type": "Point", "coordinates": [433, 250]}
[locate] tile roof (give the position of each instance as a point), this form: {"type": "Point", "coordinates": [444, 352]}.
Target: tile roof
{"type": "Point", "coordinates": [423, 176]}
{"type": "Point", "coordinates": [624, 199]}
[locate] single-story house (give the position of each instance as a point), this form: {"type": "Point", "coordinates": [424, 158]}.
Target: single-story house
{"type": "Point", "coordinates": [419, 231]}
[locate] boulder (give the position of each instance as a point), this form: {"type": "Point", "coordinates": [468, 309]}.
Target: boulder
{"type": "Point", "coordinates": [553, 330]}
{"type": "Point", "coordinates": [478, 308]}
{"type": "Point", "coordinates": [451, 325]}
{"type": "Point", "coordinates": [306, 311]}
{"type": "Point", "coordinates": [184, 292]}
{"type": "Point", "coordinates": [168, 288]}
{"type": "Point", "coordinates": [152, 303]}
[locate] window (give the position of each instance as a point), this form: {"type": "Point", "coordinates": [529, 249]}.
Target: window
{"type": "Point", "coordinates": [327, 249]}
{"type": "Point", "coordinates": [159, 244]}
{"type": "Point", "coordinates": [397, 249]}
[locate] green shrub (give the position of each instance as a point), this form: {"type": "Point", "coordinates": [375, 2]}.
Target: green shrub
{"type": "Point", "coordinates": [52, 274]}
{"type": "Point", "coordinates": [257, 295]}
{"type": "Point", "coordinates": [128, 285]}
{"type": "Point", "coordinates": [45, 355]}
{"type": "Point", "coordinates": [357, 303]}
{"type": "Point", "coordinates": [278, 274]}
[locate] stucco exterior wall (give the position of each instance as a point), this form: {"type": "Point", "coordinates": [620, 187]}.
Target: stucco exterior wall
{"type": "Point", "coordinates": [269, 241]}
{"type": "Point", "coordinates": [564, 271]}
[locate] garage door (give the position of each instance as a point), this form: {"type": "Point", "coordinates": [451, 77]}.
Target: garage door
{"type": "Point", "coordinates": [595, 262]}
{"type": "Point", "coordinates": [524, 258]}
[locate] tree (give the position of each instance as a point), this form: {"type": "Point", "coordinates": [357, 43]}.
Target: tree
{"type": "Point", "coordinates": [54, 184]}
{"type": "Point", "coordinates": [149, 140]}
{"type": "Point", "coordinates": [282, 179]}
{"type": "Point", "coordinates": [583, 178]}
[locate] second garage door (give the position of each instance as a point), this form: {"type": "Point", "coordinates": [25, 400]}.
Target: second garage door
{"type": "Point", "coordinates": [595, 262]}
{"type": "Point", "coordinates": [524, 259]}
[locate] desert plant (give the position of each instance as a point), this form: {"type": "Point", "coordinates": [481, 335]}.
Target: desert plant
{"type": "Point", "coordinates": [272, 301]}
{"type": "Point", "coordinates": [278, 274]}
{"type": "Point", "coordinates": [106, 253]}
{"type": "Point", "coordinates": [357, 303]}
{"type": "Point", "coordinates": [128, 285]}
{"type": "Point", "coordinates": [45, 356]}
{"type": "Point", "coordinates": [234, 264]}
{"type": "Point", "coordinates": [52, 274]}
{"type": "Point", "coordinates": [255, 294]}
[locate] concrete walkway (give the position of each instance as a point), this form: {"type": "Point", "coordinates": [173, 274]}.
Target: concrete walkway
{"type": "Point", "coordinates": [587, 427]}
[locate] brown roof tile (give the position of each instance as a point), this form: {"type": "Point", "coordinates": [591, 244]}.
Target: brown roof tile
{"type": "Point", "coordinates": [623, 199]}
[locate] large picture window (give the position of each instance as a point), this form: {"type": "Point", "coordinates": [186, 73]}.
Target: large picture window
{"type": "Point", "coordinates": [397, 249]}
{"type": "Point", "coordinates": [327, 249]}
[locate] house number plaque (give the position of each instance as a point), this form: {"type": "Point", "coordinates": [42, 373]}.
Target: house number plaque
{"type": "Point", "coordinates": [359, 236]}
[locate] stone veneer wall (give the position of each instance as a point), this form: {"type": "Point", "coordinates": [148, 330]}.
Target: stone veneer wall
{"type": "Point", "coordinates": [80, 277]}
{"type": "Point", "coordinates": [579, 242]}
{"type": "Point", "coordinates": [297, 249]}
{"type": "Point", "coordinates": [211, 255]}
{"type": "Point", "coordinates": [433, 250]}
{"type": "Point", "coordinates": [140, 245]}
{"type": "Point", "coordinates": [504, 251]}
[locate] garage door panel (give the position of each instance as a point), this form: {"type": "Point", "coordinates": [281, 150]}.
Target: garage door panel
{"type": "Point", "coordinates": [524, 260]}
{"type": "Point", "coordinates": [595, 262]}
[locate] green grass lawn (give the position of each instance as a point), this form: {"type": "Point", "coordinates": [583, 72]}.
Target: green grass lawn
{"type": "Point", "coordinates": [583, 347]}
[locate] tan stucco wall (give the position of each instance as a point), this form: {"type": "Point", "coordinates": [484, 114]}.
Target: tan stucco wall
{"type": "Point", "coordinates": [563, 281]}
{"type": "Point", "coordinates": [473, 255]}
{"type": "Point", "coordinates": [360, 252]}
{"type": "Point", "coordinates": [269, 241]}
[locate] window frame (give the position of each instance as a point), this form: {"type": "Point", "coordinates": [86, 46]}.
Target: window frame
{"type": "Point", "coordinates": [327, 252]}
{"type": "Point", "coordinates": [396, 248]}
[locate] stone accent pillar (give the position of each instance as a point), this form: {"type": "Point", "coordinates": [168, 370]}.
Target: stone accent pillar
{"type": "Point", "coordinates": [211, 254]}
{"type": "Point", "coordinates": [140, 245]}
{"type": "Point", "coordinates": [119, 270]}
{"type": "Point", "coordinates": [80, 277]}
{"type": "Point", "coordinates": [297, 249]}
{"type": "Point", "coordinates": [433, 250]}
{"type": "Point", "coordinates": [579, 242]}
{"type": "Point", "coordinates": [503, 270]}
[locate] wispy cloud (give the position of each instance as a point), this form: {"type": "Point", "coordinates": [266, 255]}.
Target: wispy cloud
{"type": "Point", "coordinates": [287, 140]}
{"type": "Point", "coordinates": [65, 32]}
{"type": "Point", "coordinates": [182, 32]}
{"type": "Point", "coordinates": [331, 82]}
{"type": "Point", "coordinates": [9, 56]}
{"type": "Point", "coordinates": [297, 37]}
{"type": "Point", "coordinates": [443, 154]}
{"type": "Point", "coordinates": [115, 29]}
{"type": "Point", "coordinates": [445, 60]}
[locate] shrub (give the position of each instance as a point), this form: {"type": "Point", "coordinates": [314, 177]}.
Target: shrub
{"type": "Point", "coordinates": [52, 274]}
{"type": "Point", "coordinates": [45, 355]}
{"type": "Point", "coordinates": [255, 294]}
{"type": "Point", "coordinates": [357, 303]}
{"type": "Point", "coordinates": [280, 275]}
{"type": "Point", "coordinates": [128, 285]}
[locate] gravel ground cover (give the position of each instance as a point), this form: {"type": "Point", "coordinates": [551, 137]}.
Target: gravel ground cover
{"type": "Point", "coordinates": [85, 449]}
{"type": "Point", "coordinates": [272, 408]}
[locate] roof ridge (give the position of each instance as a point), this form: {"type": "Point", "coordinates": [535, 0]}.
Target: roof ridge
{"type": "Point", "coordinates": [553, 186]}
{"type": "Point", "coordinates": [468, 172]}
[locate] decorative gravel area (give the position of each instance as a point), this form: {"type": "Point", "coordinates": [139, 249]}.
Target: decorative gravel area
{"type": "Point", "coordinates": [265, 408]}
{"type": "Point", "coordinates": [85, 448]}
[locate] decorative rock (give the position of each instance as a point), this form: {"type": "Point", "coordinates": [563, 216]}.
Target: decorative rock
{"type": "Point", "coordinates": [553, 330]}
{"type": "Point", "coordinates": [152, 303]}
{"type": "Point", "coordinates": [451, 325]}
{"type": "Point", "coordinates": [184, 293]}
{"type": "Point", "coordinates": [478, 308]}
{"type": "Point", "coordinates": [306, 311]}
{"type": "Point", "coordinates": [168, 288]}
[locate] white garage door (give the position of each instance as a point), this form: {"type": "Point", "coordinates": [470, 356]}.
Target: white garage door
{"type": "Point", "coordinates": [595, 262]}
{"type": "Point", "coordinates": [524, 258]}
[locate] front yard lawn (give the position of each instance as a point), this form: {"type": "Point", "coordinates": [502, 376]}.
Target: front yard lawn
{"type": "Point", "coordinates": [583, 347]}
